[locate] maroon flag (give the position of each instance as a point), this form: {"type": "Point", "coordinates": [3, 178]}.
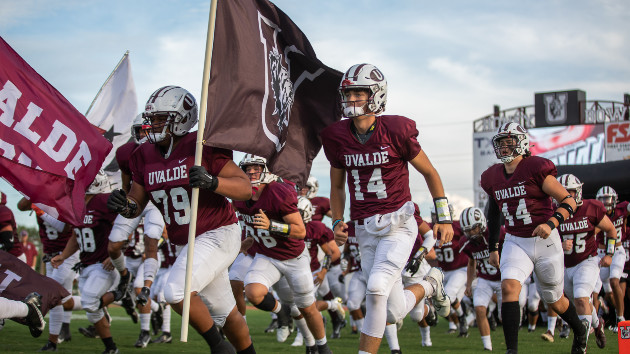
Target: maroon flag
{"type": "Point", "coordinates": [269, 95]}
{"type": "Point", "coordinates": [48, 150]}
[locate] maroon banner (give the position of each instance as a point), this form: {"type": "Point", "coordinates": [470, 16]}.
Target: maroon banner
{"type": "Point", "coordinates": [49, 150]}
{"type": "Point", "coordinates": [269, 95]}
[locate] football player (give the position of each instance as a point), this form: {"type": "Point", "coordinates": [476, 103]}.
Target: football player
{"type": "Point", "coordinates": [161, 315]}
{"type": "Point", "coordinates": [617, 212]}
{"type": "Point", "coordinates": [475, 228]}
{"type": "Point", "coordinates": [319, 236]}
{"type": "Point", "coordinates": [373, 151]}
{"type": "Point", "coordinates": [98, 274]}
{"type": "Point", "coordinates": [9, 240]}
{"type": "Point", "coordinates": [276, 228]}
{"type": "Point", "coordinates": [580, 250]}
{"type": "Point", "coordinates": [54, 235]}
{"type": "Point", "coordinates": [521, 188]}
{"type": "Point", "coordinates": [164, 172]}
{"type": "Point", "coordinates": [453, 264]}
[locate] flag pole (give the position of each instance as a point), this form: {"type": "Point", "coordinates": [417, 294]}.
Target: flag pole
{"type": "Point", "coordinates": [106, 81]}
{"type": "Point", "coordinates": [192, 228]}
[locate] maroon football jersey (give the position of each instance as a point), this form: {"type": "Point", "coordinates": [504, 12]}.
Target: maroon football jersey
{"type": "Point", "coordinates": [352, 249]}
{"type": "Point", "coordinates": [18, 280]}
{"type": "Point", "coordinates": [166, 182]}
{"type": "Point", "coordinates": [167, 253]}
{"type": "Point", "coordinates": [7, 219]}
{"type": "Point", "coordinates": [377, 171]}
{"type": "Point", "coordinates": [321, 206]}
{"type": "Point", "coordinates": [581, 229]}
{"type": "Point", "coordinates": [520, 196]}
{"type": "Point", "coordinates": [478, 250]}
{"type": "Point", "coordinates": [317, 234]}
{"type": "Point", "coordinates": [93, 235]}
{"type": "Point", "coordinates": [618, 218]}
{"type": "Point", "coordinates": [276, 200]}
{"type": "Point", "coordinates": [123, 155]}
{"type": "Point", "coordinates": [449, 256]}
{"type": "Point", "coordinates": [53, 241]}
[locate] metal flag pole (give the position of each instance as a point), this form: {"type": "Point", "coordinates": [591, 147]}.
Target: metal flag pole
{"type": "Point", "coordinates": [106, 81]}
{"type": "Point", "coordinates": [192, 228]}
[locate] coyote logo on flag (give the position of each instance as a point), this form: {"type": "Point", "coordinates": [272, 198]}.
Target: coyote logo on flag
{"type": "Point", "coordinates": [281, 96]}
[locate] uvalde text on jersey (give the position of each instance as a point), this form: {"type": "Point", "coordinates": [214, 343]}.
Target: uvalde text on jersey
{"type": "Point", "coordinates": [511, 192]}
{"type": "Point", "coordinates": [368, 159]}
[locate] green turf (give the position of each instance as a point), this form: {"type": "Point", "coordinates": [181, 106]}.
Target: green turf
{"type": "Point", "coordinates": [15, 338]}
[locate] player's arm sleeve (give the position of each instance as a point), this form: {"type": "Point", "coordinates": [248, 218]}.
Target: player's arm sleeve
{"type": "Point", "coordinates": [494, 224]}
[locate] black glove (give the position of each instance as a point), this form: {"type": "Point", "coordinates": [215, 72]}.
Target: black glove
{"type": "Point", "coordinates": [117, 201]}
{"type": "Point", "coordinates": [125, 280]}
{"type": "Point", "coordinates": [342, 278]}
{"type": "Point", "coordinates": [413, 265]}
{"type": "Point", "coordinates": [200, 178]}
{"type": "Point", "coordinates": [144, 296]}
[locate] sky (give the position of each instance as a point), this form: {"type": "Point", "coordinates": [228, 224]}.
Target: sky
{"type": "Point", "coordinates": [447, 63]}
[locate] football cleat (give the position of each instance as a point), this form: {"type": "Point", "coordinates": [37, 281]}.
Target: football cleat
{"type": "Point", "coordinates": [157, 319]}
{"type": "Point", "coordinates": [431, 317]}
{"type": "Point", "coordinates": [548, 336]}
{"type": "Point", "coordinates": [34, 319]}
{"type": "Point", "coordinates": [396, 351]}
{"type": "Point", "coordinates": [111, 351]}
{"type": "Point", "coordinates": [272, 326]}
{"type": "Point", "coordinates": [48, 347]}
{"type": "Point", "coordinates": [282, 333]}
{"type": "Point", "coordinates": [312, 350]}
{"type": "Point", "coordinates": [580, 342]}
{"type": "Point", "coordinates": [89, 331]}
{"type": "Point", "coordinates": [64, 334]}
{"type": "Point", "coordinates": [143, 339]}
{"type": "Point", "coordinates": [463, 326]}
{"type": "Point", "coordinates": [427, 343]}
{"type": "Point", "coordinates": [565, 331]}
{"type": "Point", "coordinates": [165, 337]}
{"type": "Point", "coordinates": [299, 340]}
{"type": "Point", "coordinates": [441, 301]}
{"type": "Point", "coordinates": [600, 336]}
{"type": "Point", "coordinates": [130, 306]}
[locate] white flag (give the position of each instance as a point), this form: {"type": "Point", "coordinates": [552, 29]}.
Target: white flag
{"type": "Point", "coordinates": [113, 111]}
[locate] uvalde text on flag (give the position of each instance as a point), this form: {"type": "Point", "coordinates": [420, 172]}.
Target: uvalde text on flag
{"type": "Point", "coordinates": [269, 95]}
{"type": "Point", "coordinates": [48, 150]}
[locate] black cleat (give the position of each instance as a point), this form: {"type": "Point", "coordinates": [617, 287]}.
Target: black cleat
{"type": "Point", "coordinates": [311, 350]}
{"type": "Point", "coordinates": [431, 317]}
{"type": "Point", "coordinates": [111, 351]}
{"type": "Point", "coordinates": [130, 307]}
{"type": "Point", "coordinates": [49, 347]}
{"type": "Point", "coordinates": [272, 326]}
{"type": "Point", "coordinates": [34, 319]}
{"type": "Point", "coordinates": [579, 342]}
{"type": "Point", "coordinates": [143, 339]}
{"type": "Point", "coordinates": [600, 336]}
{"type": "Point", "coordinates": [64, 334]}
{"type": "Point", "coordinates": [165, 337]}
{"type": "Point", "coordinates": [89, 331]}
{"type": "Point", "coordinates": [565, 331]}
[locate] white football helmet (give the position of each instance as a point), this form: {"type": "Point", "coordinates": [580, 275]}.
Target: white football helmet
{"type": "Point", "coordinates": [265, 175]}
{"type": "Point", "coordinates": [100, 185]}
{"type": "Point", "coordinates": [608, 196]}
{"type": "Point", "coordinates": [306, 209]}
{"type": "Point", "coordinates": [313, 187]}
{"type": "Point", "coordinates": [511, 130]}
{"type": "Point", "coordinates": [136, 129]}
{"type": "Point", "coordinates": [572, 183]}
{"type": "Point", "coordinates": [179, 107]}
{"type": "Point", "coordinates": [471, 218]}
{"type": "Point", "coordinates": [364, 76]}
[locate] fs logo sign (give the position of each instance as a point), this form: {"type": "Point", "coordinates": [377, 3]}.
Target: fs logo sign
{"type": "Point", "coordinates": [280, 88]}
{"type": "Point", "coordinates": [617, 133]}
{"type": "Point", "coordinates": [556, 107]}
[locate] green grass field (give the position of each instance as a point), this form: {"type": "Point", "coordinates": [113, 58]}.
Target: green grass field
{"type": "Point", "coordinates": [15, 338]}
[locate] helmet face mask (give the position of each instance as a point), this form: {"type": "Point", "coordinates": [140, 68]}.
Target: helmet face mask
{"type": "Point", "coordinates": [100, 185]}
{"type": "Point", "coordinates": [363, 78]}
{"type": "Point", "coordinates": [510, 142]}
{"type": "Point", "coordinates": [313, 187]}
{"type": "Point", "coordinates": [137, 131]}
